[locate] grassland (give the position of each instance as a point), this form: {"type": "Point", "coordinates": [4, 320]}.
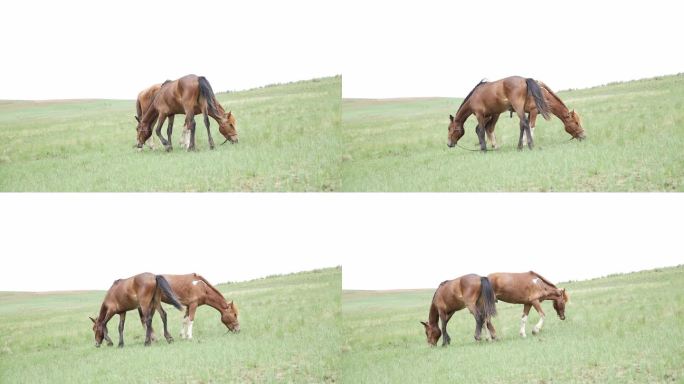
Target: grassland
{"type": "Point", "coordinates": [290, 140]}
{"type": "Point", "coordinates": [290, 332]}
{"type": "Point", "coordinates": [635, 139]}
{"type": "Point", "coordinates": [620, 329]}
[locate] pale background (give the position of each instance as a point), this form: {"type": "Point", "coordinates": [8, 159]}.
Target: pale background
{"type": "Point", "coordinates": [383, 241]}
{"type": "Point", "coordinates": [82, 49]}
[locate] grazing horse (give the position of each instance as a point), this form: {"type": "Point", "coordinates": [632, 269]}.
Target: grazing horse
{"type": "Point", "coordinates": [194, 290]}
{"type": "Point", "coordinates": [571, 119]}
{"type": "Point", "coordinates": [143, 102]}
{"type": "Point", "coordinates": [190, 95]}
{"type": "Point", "coordinates": [144, 292]}
{"type": "Point", "coordinates": [489, 99]}
{"type": "Point", "coordinates": [530, 289]}
{"type": "Point", "coordinates": [470, 291]}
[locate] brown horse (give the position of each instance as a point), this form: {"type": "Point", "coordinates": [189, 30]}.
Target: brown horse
{"type": "Point", "coordinates": [571, 119]}
{"type": "Point", "coordinates": [470, 291]}
{"type": "Point", "coordinates": [489, 99]}
{"type": "Point", "coordinates": [194, 290]}
{"type": "Point", "coordinates": [529, 289]}
{"type": "Point", "coordinates": [143, 291]}
{"type": "Point", "coordinates": [143, 102]}
{"type": "Point", "coordinates": [190, 95]}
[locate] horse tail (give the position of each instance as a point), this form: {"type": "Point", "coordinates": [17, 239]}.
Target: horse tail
{"type": "Point", "coordinates": [208, 94]}
{"type": "Point", "coordinates": [486, 303]}
{"type": "Point", "coordinates": [166, 288]}
{"type": "Point", "coordinates": [535, 91]}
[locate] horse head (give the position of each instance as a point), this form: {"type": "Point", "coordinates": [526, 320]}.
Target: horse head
{"type": "Point", "coordinates": [432, 333]}
{"type": "Point", "coordinates": [229, 317]}
{"type": "Point", "coordinates": [573, 125]}
{"type": "Point", "coordinates": [456, 131]}
{"type": "Point", "coordinates": [228, 128]}
{"type": "Point", "coordinates": [143, 132]}
{"type": "Point", "coordinates": [99, 330]}
{"type": "Point", "coordinates": [559, 303]}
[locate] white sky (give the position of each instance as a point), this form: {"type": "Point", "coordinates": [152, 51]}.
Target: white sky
{"type": "Point", "coordinates": [91, 49]}
{"type": "Point", "coordinates": [443, 48]}
{"type": "Point", "coordinates": [383, 241]}
{"type": "Point", "coordinates": [86, 49]}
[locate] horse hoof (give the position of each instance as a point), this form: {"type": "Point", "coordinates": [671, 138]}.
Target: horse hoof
{"type": "Point", "coordinates": [120, 346]}
{"type": "Point", "coordinates": [169, 340]}
{"type": "Point", "coordinates": [110, 344]}
{"type": "Point", "coordinates": [535, 331]}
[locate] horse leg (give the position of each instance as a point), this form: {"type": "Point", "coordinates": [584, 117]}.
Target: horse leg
{"type": "Point", "coordinates": [206, 123]}
{"type": "Point", "coordinates": [184, 323]}
{"type": "Point", "coordinates": [482, 123]}
{"type": "Point", "coordinates": [148, 313]}
{"type": "Point", "coordinates": [445, 317]}
{"type": "Point", "coordinates": [160, 122]}
{"type": "Point", "coordinates": [191, 317]}
{"type": "Point", "coordinates": [490, 328]}
{"type": "Point", "coordinates": [169, 130]}
{"type": "Point", "coordinates": [523, 321]}
{"type": "Point", "coordinates": [106, 337]}
{"type": "Point", "coordinates": [537, 328]}
{"type": "Point", "coordinates": [122, 320]}
{"type": "Point", "coordinates": [189, 131]}
{"type": "Point", "coordinates": [490, 131]}
{"type": "Point", "coordinates": [142, 321]}
{"type": "Point", "coordinates": [167, 335]}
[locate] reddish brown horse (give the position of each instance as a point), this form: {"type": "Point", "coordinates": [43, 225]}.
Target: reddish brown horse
{"type": "Point", "coordinates": [190, 95]}
{"type": "Point", "coordinates": [143, 291]}
{"type": "Point", "coordinates": [571, 119]}
{"type": "Point", "coordinates": [143, 102]}
{"type": "Point", "coordinates": [529, 289]}
{"type": "Point", "coordinates": [489, 99]}
{"type": "Point", "coordinates": [194, 290]}
{"type": "Point", "coordinates": [470, 291]}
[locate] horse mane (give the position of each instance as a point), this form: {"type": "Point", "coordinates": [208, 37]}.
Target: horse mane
{"type": "Point", "coordinates": [166, 82]}
{"type": "Point", "coordinates": [546, 87]}
{"type": "Point", "coordinates": [543, 279]}
{"type": "Point", "coordinates": [468, 97]}
{"type": "Point", "coordinates": [210, 286]}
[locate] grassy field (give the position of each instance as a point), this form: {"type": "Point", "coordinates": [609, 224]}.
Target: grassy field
{"type": "Point", "coordinates": [635, 138]}
{"type": "Point", "coordinates": [290, 332]}
{"type": "Point", "coordinates": [620, 329]}
{"type": "Point", "coordinates": [290, 140]}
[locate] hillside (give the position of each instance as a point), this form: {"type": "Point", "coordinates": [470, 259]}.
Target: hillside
{"type": "Point", "coordinates": [619, 329]}
{"type": "Point", "coordinates": [289, 141]}
{"type": "Point", "coordinates": [290, 331]}
{"type": "Point", "coordinates": [635, 134]}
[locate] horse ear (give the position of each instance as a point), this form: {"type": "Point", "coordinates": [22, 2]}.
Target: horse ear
{"type": "Point", "coordinates": [137, 119]}
{"type": "Point", "coordinates": [451, 117]}
{"type": "Point", "coordinates": [91, 319]}
{"type": "Point", "coordinates": [424, 324]}
{"type": "Point", "coordinates": [229, 113]}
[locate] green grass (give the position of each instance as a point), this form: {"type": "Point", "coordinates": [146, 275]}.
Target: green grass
{"type": "Point", "coordinates": [620, 329]}
{"type": "Point", "coordinates": [635, 139]}
{"type": "Point", "coordinates": [290, 332]}
{"type": "Point", "coordinates": [290, 140]}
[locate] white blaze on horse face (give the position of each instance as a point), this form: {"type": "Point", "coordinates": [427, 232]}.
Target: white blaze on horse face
{"type": "Point", "coordinates": [523, 322]}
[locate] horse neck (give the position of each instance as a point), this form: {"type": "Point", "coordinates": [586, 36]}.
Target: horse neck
{"type": "Point", "coordinates": [558, 109]}
{"type": "Point", "coordinates": [149, 115]}
{"type": "Point", "coordinates": [215, 301]}
{"type": "Point", "coordinates": [463, 112]}
{"type": "Point", "coordinates": [433, 317]}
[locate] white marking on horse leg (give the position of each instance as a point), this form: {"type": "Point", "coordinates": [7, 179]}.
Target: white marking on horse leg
{"type": "Point", "coordinates": [190, 330]}
{"type": "Point", "coordinates": [538, 327]}
{"type": "Point", "coordinates": [523, 322]}
{"type": "Point", "coordinates": [184, 323]}
{"type": "Point", "coordinates": [532, 132]}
